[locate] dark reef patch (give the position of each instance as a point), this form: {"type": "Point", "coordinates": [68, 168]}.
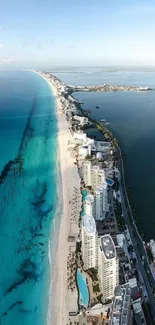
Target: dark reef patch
{"type": "Point", "coordinates": [18, 161]}
{"type": "Point", "coordinates": [28, 271]}
{"type": "Point", "coordinates": [5, 170]}
{"type": "Point", "coordinates": [10, 308]}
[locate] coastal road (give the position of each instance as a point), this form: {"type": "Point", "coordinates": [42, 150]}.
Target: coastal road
{"type": "Point", "coordinates": [141, 255]}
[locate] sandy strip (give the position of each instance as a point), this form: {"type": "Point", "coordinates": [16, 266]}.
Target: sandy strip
{"type": "Point", "coordinates": [70, 178]}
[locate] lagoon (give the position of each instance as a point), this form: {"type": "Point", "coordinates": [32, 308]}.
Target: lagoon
{"type": "Point", "coordinates": [131, 116]}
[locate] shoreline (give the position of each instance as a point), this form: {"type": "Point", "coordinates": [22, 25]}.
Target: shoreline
{"type": "Point", "coordinates": [69, 178]}
{"type": "Point", "coordinates": [54, 291]}
{"type": "Point", "coordinates": [53, 247]}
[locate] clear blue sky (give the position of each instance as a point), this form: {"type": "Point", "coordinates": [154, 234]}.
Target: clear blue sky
{"type": "Point", "coordinates": [48, 33]}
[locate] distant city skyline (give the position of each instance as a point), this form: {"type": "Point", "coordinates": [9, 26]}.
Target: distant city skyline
{"type": "Point", "coordinates": [46, 34]}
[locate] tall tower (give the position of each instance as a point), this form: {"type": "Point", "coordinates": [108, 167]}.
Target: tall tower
{"type": "Point", "coordinates": [94, 176]}
{"type": "Point", "coordinates": [107, 267]}
{"type": "Point", "coordinates": [100, 202]}
{"type": "Point", "coordinates": [98, 209]}
{"type": "Point", "coordinates": [86, 170]}
{"type": "Point", "coordinates": [105, 196]}
{"type": "Point", "coordinates": [101, 177]}
{"type": "Point", "coordinates": [89, 205]}
{"type": "Point", "coordinates": [89, 242]}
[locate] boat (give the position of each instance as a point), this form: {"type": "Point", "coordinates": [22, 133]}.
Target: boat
{"type": "Point", "coordinates": [97, 107]}
{"type": "Point", "coordinates": [104, 122]}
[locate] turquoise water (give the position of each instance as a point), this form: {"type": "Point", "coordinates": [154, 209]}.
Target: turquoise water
{"type": "Point", "coordinates": [28, 150]}
{"type": "Point", "coordinates": [83, 290]}
{"type": "Point", "coordinates": [84, 194]}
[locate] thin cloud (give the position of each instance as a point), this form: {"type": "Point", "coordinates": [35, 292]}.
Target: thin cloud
{"type": "Point", "coordinates": [3, 59]}
{"type": "Point", "coordinates": [1, 46]}
{"type": "Point", "coordinates": [1, 27]}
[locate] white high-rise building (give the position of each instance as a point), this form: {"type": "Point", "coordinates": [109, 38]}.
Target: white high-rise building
{"type": "Point", "coordinates": [97, 177]}
{"type": "Point", "coordinates": [89, 205]}
{"type": "Point", "coordinates": [100, 200]}
{"type": "Point", "coordinates": [120, 313]}
{"type": "Point", "coordinates": [101, 177]}
{"type": "Point", "coordinates": [86, 170]}
{"type": "Point", "coordinates": [98, 206]}
{"type": "Point", "coordinates": [105, 197]}
{"type": "Point", "coordinates": [107, 267]}
{"type": "Point", "coordinates": [89, 242]}
{"type": "Point", "coordinates": [94, 177]}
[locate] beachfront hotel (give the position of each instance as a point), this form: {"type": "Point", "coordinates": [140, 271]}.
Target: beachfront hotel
{"type": "Point", "coordinates": [120, 313]}
{"type": "Point", "coordinates": [96, 205]}
{"type": "Point", "coordinates": [86, 171]}
{"type": "Point", "coordinates": [92, 175]}
{"type": "Point", "coordinates": [98, 210]}
{"type": "Point", "coordinates": [89, 242]}
{"type": "Point", "coordinates": [95, 177]}
{"type": "Point", "coordinates": [108, 268]}
{"type": "Point", "coordinates": [100, 202]}
{"type": "Point", "coordinates": [89, 205]}
{"type": "Point", "coordinates": [81, 119]}
{"type": "Point", "coordinates": [100, 179]}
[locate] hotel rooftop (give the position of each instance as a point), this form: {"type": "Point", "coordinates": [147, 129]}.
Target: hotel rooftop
{"type": "Point", "coordinates": [107, 246]}
{"type": "Point", "coordinates": [121, 305]}
{"type": "Point", "coordinates": [89, 225]}
{"type": "Point", "coordinates": [89, 198]}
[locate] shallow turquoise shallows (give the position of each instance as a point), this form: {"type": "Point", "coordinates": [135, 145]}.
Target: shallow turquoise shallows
{"type": "Point", "coordinates": [83, 290]}
{"type": "Point", "coordinates": [28, 199]}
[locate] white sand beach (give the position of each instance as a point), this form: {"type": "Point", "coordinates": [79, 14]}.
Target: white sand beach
{"type": "Point", "coordinates": [70, 178]}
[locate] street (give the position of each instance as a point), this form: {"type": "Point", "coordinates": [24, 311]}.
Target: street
{"type": "Point", "coordinates": [141, 255]}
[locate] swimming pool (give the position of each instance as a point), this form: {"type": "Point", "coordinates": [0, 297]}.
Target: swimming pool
{"type": "Point", "coordinates": [109, 181]}
{"type": "Point", "coordinates": [83, 290]}
{"type": "Point", "coordinates": [84, 194]}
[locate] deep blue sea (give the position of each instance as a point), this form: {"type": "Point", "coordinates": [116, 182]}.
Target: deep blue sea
{"type": "Point", "coordinates": [132, 119]}
{"type": "Point", "coordinates": [28, 153]}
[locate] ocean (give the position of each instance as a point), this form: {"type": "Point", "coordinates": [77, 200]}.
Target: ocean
{"type": "Point", "coordinates": [132, 120]}
{"type": "Point", "coordinates": [28, 196]}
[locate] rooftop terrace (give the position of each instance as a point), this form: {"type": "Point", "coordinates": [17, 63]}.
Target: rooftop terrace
{"type": "Point", "coordinates": [89, 224]}
{"type": "Point", "coordinates": [107, 246]}
{"type": "Point", "coordinates": [121, 305]}
{"type": "Point", "coordinates": [89, 198]}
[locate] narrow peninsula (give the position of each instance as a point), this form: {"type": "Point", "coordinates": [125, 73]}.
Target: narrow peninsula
{"type": "Point", "coordinates": [102, 273]}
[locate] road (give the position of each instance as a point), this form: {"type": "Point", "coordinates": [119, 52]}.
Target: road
{"type": "Point", "coordinates": [136, 238]}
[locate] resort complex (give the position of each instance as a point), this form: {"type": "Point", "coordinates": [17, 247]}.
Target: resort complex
{"type": "Point", "coordinates": [101, 274]}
